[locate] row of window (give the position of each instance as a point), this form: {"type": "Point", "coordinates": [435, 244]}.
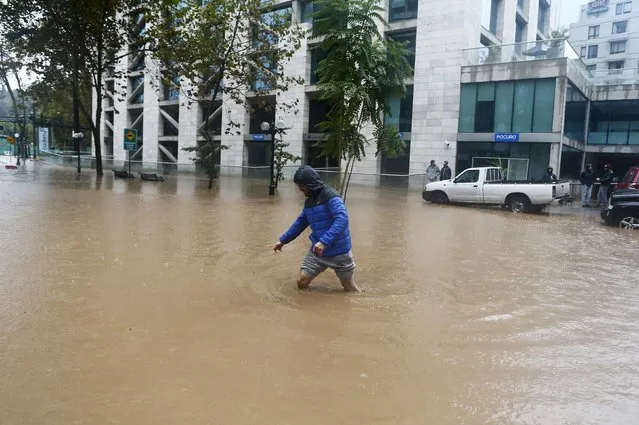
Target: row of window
{"type": "Point", "coordinates": [398, 10]}
{"type": "Point", "coordinates": [613, 66]}
{"type": "Point", "coordinates": [524, 106]}
{"type": "Point", "coordinates": [592, 52]}
{"type": "Point", "coordinates": [618, 27]}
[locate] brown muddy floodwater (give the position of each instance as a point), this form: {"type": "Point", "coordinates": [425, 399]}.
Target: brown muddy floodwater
{"type": "Point", "coordinates": [132, 303]}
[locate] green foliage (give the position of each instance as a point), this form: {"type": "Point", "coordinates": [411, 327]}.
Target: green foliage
{"type": "Point", "coordinates": [359, 74]}
{"type": "Point", "coordinates": [282, 157]}
{"type": "Point", "coordinates": [221, 50]}
{"type": "Point", "coordinates": [58, 38]}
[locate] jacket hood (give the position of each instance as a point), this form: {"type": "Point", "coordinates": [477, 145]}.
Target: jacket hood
{"type": "Point", "coordinates": [307, 176]}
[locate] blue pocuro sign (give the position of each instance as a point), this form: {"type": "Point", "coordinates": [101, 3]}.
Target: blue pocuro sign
{"type": "Point", "coordinates": [507, 137]}
{"type": "Point", "coordinates": [258, 137]}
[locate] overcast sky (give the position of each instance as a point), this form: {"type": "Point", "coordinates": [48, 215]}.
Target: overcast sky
{"type": "Point", "coordinates": [569, 11]}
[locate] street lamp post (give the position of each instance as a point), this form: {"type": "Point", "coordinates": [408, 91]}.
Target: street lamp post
{"type": "Point", "coordinates": [77, 137]}
{"type": "Point", "coordinates": [17, 143]}
{"type": "Point", "coordinates": [273, 130]}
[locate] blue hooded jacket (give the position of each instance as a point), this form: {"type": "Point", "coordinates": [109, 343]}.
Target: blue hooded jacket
{"type": "Point", "coordinates": [325, 212]}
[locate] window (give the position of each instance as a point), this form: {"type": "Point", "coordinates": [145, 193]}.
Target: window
{"type": "Point", "coordinates": [262, 35]}
{"type": "Point", "coordinates": [504, 106]}
{"type": "Point", "coordinates": [317, 55]}
{"type": "Point", "coordinates": [521, 106]}
{"type": "Point", "coordinates": [584, 51]}
{"type": "Point", "coordinates": [614, 123]}
{"type": "Point", "coordinates": [317, 111]}
{"type": "Point", "coordinates": [575, 114]}
{"type": "Point", "coordinates": [307, 11]}
{"type": "Point", "coordinates": [524, 103]}
{"type": "Point", "coordinates": [485, 109]}
{"type": "Point", "coordinates": [617, 47]}
{"type": "Point", "coordinates": [259, 114]}
{"type": "Point", "coordinates": [591, 67]}
{"type": "Point", "coordinates": [542, 114]}
{"type": "Point", "coordinates": [615, 67]}
{"type": "Point", "coordinates": [593, 32]}
{"type": "Point", "coordinates": [625, 7]}
{"type": "Point", "coordinates": [469, 176]}
{"type": "Point", "coordinates": [402, 9]}
{"type": "Point", "coordinates": [542, 18]}
{"type": "Point", "coordinates": [408, 40]}
{"type": "Point", "coordinates": [593, 51]}
{"type": "Point", "coordinates": [401, 111]}
{"type": "Point", "coordinates": [619, 27]}
{"type": "Point", "coordinates": [494, 15]}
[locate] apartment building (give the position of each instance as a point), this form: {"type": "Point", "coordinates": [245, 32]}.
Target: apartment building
{"type": "Point", "coordinates": [607, 36]}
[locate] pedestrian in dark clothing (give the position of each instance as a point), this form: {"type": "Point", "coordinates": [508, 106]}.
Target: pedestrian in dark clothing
{"type": "Point", "coordinates": [605, 181]}
{"type": "Point", "coordinates": [587, 180]}
{"type": "Point", "coordinates": [549, 176]}
{"type": "Point", "coordinates": [446, 173]}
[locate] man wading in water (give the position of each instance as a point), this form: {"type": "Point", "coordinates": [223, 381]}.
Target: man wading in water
{"type": "Point", "coordinates": [326, 213]}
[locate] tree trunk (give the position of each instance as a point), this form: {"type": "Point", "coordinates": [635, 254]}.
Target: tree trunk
{"type": "Point", "coordinates": [342, 185]}
{"type": "Point", "coordinates": [348, 181]}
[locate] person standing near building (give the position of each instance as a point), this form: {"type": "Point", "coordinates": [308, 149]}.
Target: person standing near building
{"type": "Point", "coordinates": [605, 181]}
{"type": "Point", "coordinates": [432, 172]}
{"type": "Point", "coordinates": [446, 173]}
{"type": "Point", "coordinates": [587, 180]}
{"type": "Point", "coordinates": [550, 175]}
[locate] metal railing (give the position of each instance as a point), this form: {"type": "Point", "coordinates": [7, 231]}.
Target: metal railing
{"type": "Point", "coordinates": [611, 77]}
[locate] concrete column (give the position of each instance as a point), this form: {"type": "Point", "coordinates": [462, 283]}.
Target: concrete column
{"type": "Point", "coordinates": [121, 115]}
{"type": "Point", "coordinates": [442, 32]}
{"type": "Point", "coordinates": [189, 127]}
{"type": "Point", "coordinates": [233, 157]}
{"type": "Point", "coordinates": [292, 105]}
{"type": "Point", "coordinates": [555, 157]}
{"type": "Point", "coordinates": [506, 26]}
{"type": "Point", "coordinates": [151, 119]}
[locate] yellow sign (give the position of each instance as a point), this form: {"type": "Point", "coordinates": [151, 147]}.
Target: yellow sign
{"type": "Point", "coordinates": [11, 140]}
{"type": "Point", "coordinates": [130, 136]}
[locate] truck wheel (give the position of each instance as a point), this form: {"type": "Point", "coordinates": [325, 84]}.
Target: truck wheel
{"type": "Point", "coordinates": [439, 198]}
{"type": "Point", "coordinates": [519, 203]}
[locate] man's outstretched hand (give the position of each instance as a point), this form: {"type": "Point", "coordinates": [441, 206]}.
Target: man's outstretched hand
{"type": "Point", "coordinates": [319, 248]}
{"type": "Point", "coordinates": [278, 246]}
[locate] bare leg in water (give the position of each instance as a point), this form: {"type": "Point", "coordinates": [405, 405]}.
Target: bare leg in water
{"type": "Point", "coordinates": [349, 284]}
{"type": "Point", "coordinates": [304, 281]}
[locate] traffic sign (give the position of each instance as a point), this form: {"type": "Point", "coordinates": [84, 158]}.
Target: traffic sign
{"type": "Point", "coordinates": [130, 139]}
{"type": "Point", "coordinates": [11, 140]}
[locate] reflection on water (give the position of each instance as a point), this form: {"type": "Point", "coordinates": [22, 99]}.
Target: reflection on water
{"type": "Point", "coordinates": [138, 302]}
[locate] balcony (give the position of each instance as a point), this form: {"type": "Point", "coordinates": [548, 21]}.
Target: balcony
{"type": "Point", "coordinates": [521, 52]}
{"type": "Point", "coordinates": [613, 77]}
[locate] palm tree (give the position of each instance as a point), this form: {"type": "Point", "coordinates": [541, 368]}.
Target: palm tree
{"type": "Point", "coordinates": [360, 72]}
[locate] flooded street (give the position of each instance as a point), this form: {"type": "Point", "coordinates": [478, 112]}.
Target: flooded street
{"type": "Point", "coordinates": [144, 303]}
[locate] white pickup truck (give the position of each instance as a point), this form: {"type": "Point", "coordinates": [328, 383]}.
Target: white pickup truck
{"type": "Point", "coordinates": [485, 186]}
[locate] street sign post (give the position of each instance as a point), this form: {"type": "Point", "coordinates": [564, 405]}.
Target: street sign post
{"type": "Point", "coordinates": [130, 143]}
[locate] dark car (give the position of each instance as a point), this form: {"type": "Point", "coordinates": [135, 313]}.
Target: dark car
{"type": "Point", "coordinates": [623, 210]}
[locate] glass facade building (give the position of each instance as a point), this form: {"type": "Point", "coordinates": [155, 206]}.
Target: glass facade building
{"type": "Point", "coordinates": [523, 106]}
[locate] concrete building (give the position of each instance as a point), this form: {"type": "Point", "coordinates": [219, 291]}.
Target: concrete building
{"type": "Point", "coordinates": [536, 105]}
{"type": "Point", "coordinates": [607, 36]}
{"type": "Point", "coordinates": [439, 32]}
